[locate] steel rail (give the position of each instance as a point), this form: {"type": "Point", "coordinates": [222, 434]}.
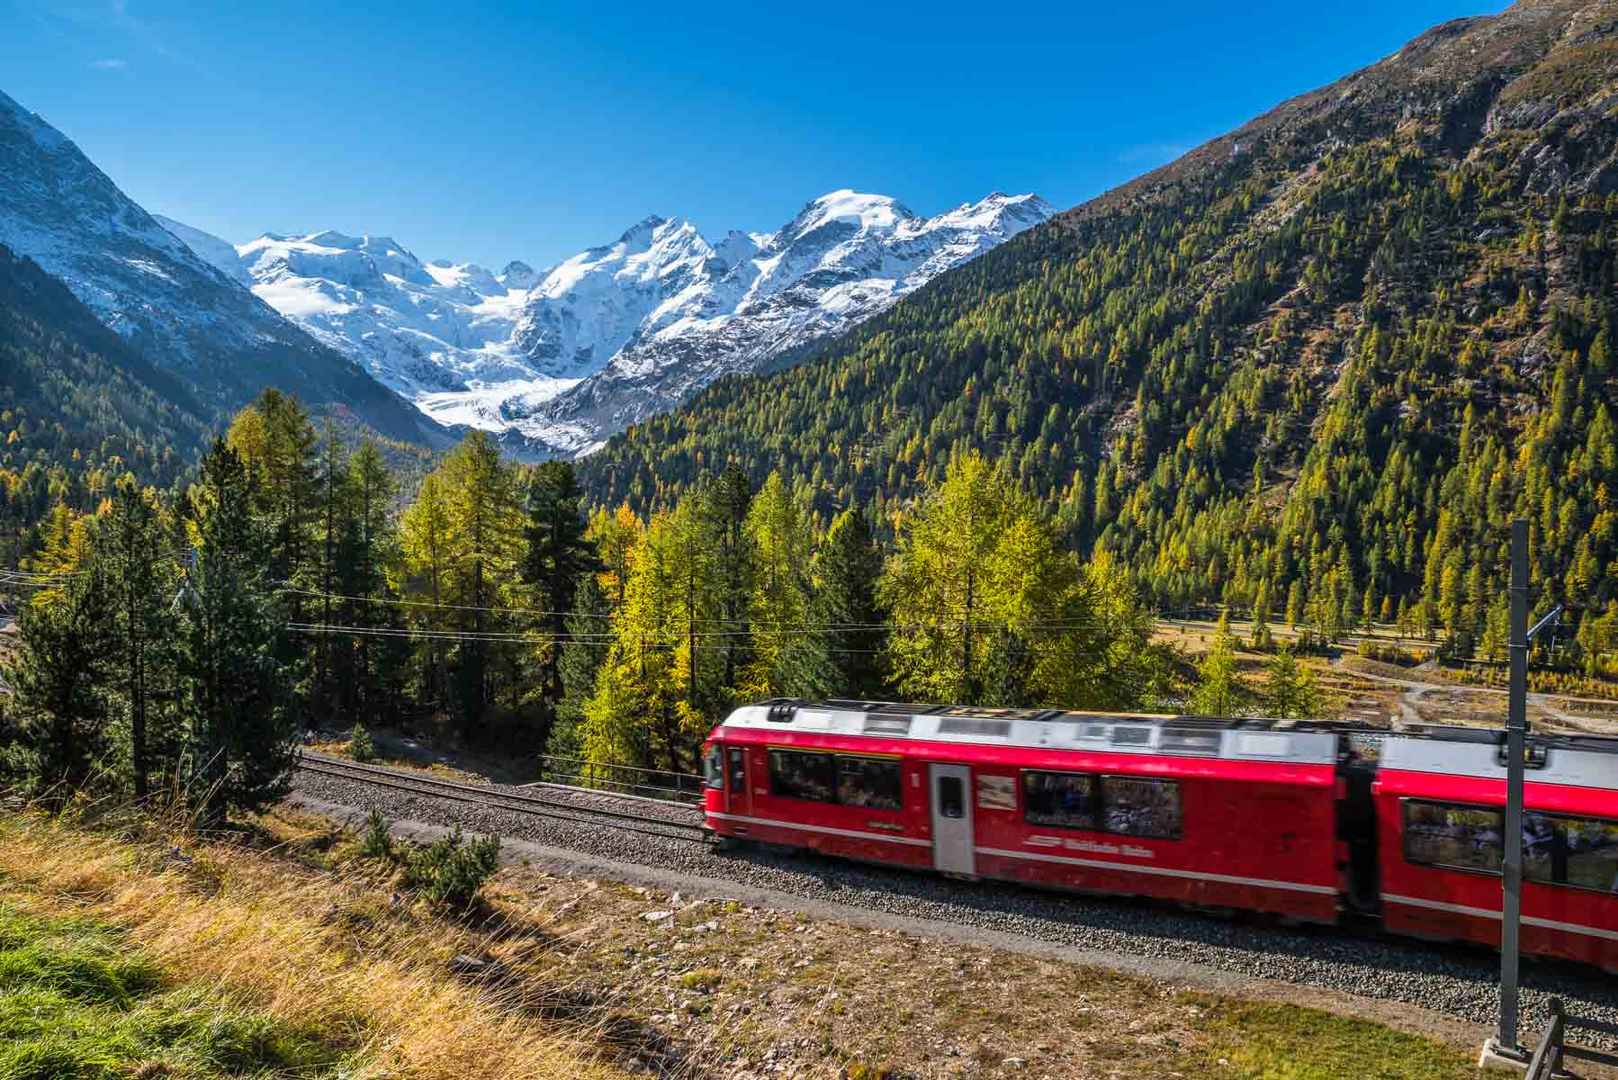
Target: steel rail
{"type": "Point", "coordinates": [492, 798]}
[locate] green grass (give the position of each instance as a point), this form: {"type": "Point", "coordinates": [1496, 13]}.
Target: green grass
{"type": "Point", "coordinates": [1267, 1041]}
{"type": "Point", "coordinates": [77, 1003]}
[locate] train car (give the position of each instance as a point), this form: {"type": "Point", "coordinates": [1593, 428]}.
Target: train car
{"type": "Point", "coordinates": [1209, 813]}
{"type": "Point", "coordinates": [1440, 799]}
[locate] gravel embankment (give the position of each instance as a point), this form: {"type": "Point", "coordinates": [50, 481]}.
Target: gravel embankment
{"type": "Point", "coordinates": [1456, 981]}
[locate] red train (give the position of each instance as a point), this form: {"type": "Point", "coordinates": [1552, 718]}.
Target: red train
{"type": "Point", "coordinates": [1304, 820]}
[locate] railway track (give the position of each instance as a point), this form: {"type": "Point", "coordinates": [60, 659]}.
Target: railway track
{"type": "Point", "coordinates": [568, 804]}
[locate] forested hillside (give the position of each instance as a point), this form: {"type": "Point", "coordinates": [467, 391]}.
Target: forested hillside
{"type": "Point", "coordinates": [78, 406]}
{"type": "Point", "coordinates": [1315, 365]}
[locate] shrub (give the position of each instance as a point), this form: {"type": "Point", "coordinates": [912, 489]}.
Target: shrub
{"type": "Point", "coordinates": [450, 871]}
{"type": "Point", "coordinates": [360, 746]}
{"type": "Point", "coordinates": [376, 842]}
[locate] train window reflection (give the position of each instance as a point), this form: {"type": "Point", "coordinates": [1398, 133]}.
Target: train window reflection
{"type": "Point", "coordinates": [1581, 852]}
{"type": "Point", "coordinates": [800, 775]}
{"type": "Point", "coordinates": [1464, 837]}
{"type": "Point", "coordinates": [1136, 807]}
{"type": "Point", "coordinates": [872, 783]}
{"type": "Point", "coordinates": [1064, 799]}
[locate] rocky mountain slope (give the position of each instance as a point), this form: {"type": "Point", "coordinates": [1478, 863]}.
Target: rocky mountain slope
{"type": "Point", "coordinates": [59, 210]}
{"type": "Point", "coordinates": [75, 394]}
{"type": "Point", "coordinates": [431, 331]}
{"type": "Point", "coordinates": [683, 311]}
{"type": "Point", "coordinates": [1313, 366]}
{"type": "Point", "coordinates": [565, 357]}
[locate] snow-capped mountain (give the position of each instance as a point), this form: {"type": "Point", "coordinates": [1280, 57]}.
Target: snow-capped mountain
{"type": "Point", "coordinates": [435, 332]}
{"type": "Point", "coordinates": [675, 311]}
{"type": "Point", "coordinates": [58, 209]}
{"type": "Point", "coordinates": [566, 357]}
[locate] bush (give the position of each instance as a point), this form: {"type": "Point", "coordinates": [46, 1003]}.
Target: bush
{"type": "Point", "coordinates": [449, 872]}
{"type": "Point", "coordinates": [360, 746]}
{"type": "Point", "coordinates": [376, 843]}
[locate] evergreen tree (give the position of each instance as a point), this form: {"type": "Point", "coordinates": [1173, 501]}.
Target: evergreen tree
{"type": "Point", "coordinates": [1289, 687]}
{"type": "Point", "coordinates": [128, 545]}
{"type": "Point", "coordinates": [726, 500]}
{"type": "Point", "coordinates": [847, 569]}
{"type": "Point", "coordinates": [1219, 689]}
{"type": "Point", "coordinates": [59, 678]}
{"type": "Point", "coordinates": [582, 655]}
{"type": "Point", "coordinates": [242, 737]}
{"type": "Point", "coordinates": [557, 558]}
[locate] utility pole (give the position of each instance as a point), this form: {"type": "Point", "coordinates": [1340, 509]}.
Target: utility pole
{"type": "Point", "coordinates": [1506, 1042]}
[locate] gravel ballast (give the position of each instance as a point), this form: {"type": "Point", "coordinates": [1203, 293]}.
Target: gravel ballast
{"type": "Point", "coordinates": [1456, 981]}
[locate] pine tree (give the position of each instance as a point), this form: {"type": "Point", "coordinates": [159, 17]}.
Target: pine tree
{"type": "Point", "coordinates": [373, 548]}
{"type": "Point", "coordinates": [557, 558]}
{"type": "Point", "coordinates": [1219, 689]}
{"type": "Point", "coordinates": [847, 569]}
{"type": "Point", "coordinates": [242, 737]}
{"type": "Point", "coordinates": [582, 655]}
{"type": "Point", "coordinates": [726, 500]}
{"type": "Point", "coordinates": [1289, 687]}
{"type": "Point", "coordinates": [128, 544]}
{"type": "Point", "coordinates": [59, 679]}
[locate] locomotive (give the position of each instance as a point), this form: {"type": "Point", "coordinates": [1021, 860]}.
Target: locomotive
{"type": "Point", "coordinates": [1310, 821]}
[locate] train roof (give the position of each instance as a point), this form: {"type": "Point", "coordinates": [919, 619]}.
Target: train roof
{"type": "Point", "coordinates": [1587, 760]}
{"type": "Point", "coordinates": [1051, 729]}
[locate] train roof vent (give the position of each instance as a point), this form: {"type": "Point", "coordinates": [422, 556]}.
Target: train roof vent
{"type": "Point", "coordinates": [886, 725]}
{"type": "Point", "coordinates": [1132, 736]}
{"type": "Point", "coordinates": [782, 711]}
{"type": "Point", "coordinates": [972, 725]}
{"type": "Point", "coordinates": [1193, 741]}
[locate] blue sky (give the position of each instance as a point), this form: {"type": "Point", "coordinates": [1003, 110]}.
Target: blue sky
{"type": "Point", "coordinates": [492, 132]}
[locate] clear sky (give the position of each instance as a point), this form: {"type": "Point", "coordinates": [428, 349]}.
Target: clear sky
{"type": "Point", "coordinates": [530, 130]}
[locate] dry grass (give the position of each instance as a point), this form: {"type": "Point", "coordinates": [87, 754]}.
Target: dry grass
{"type": "Point", "coordinates": [296, 944]}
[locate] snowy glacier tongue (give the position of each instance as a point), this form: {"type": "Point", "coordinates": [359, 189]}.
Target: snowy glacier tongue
{"type": "Point", "coordinates": [568, 356]}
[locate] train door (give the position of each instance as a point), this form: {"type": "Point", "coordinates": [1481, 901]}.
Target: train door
{"type": "Point", "coordinates": [740, 800]}
{"type": "Point", "coordinates": [952, 819]}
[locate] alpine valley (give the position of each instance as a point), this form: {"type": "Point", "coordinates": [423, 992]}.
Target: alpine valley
{"type": "Point", "coordinates": [565, 358]}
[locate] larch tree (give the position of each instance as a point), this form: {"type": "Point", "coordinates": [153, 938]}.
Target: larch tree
{"type": "Point", "coordinates": [789, 656]}
{"type": "Point", "coordinates": [424, 538]}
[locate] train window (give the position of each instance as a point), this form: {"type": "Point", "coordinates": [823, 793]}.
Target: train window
{"type": "Point", "coordinates": [1132, 806]}
{"type": "Point", "coordinates": [738, 771]}
{"type": "Point", "coordinates": [951, 797]}
{"type": "Point", "coordinates": [797, 774]}
{"type": "Point", "coordinates": [1065, 799]}
{"type": "Point", "coordinates": [1592, 853]}
{"type": "Point", "coordinates": [872, 783]}
{"type": "Point", "coordinates": [1463, 837]}
{"type": "Point", "coordinates": [711, 767]}
{"type": "Point", "coordinates": [1581, 852]}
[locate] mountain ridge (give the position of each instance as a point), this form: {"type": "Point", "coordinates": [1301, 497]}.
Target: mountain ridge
{"type": "Point", "coordinates": [1313, 365]}
{"type": "Point", "coordinates": [61, 211]}
{"type": "Point", "coordinates": [616, 330]}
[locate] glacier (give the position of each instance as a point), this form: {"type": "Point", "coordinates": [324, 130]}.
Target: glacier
{"type": "Point", "coordinates": [561, 359]}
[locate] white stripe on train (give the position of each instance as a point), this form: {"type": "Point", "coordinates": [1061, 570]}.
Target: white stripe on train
{"type": "Point", "coordinates": [1487, 913]}
{"type": "Point", "coordinates": [1098, 864]}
